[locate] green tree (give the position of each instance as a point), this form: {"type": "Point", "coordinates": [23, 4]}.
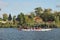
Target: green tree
{"type": "Point", "coordinates": [5, 16]}
{"type": "Point", "coordinates": [10, 17]}
{"type": "Point", "coordinates": [21, 19]}
{"type": "Point", "coordinates": [38, 11]}
{"type": "Point", "coordinates": [32, 14]}
{"type": "Point", "coordinates": [47, 15]}
{"type": "Point", "coordinates": [57, 18]}
{"type": "Point", "coordinates": [0, 19]}
{"type": "Point", "coordinates": [47, 11]}
{"type": "Point", "coordinates": [14, 19]}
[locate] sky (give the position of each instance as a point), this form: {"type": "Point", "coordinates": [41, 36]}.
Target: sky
{"type": "Point", "coordinates": [14, 7]}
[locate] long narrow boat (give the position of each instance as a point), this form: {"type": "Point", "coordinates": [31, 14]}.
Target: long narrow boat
{"type": "Point", "coordinates": [36, 29]}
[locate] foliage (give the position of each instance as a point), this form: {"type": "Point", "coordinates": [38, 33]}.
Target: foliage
{"type": "Point", "coordinates": [14, 19]}
{"type": "Point", "coordinates": [38, 11]}
{"type": "Point", "coordinates": [25, 20]}
{"type": "Point", "coordinates": [5, 16]}
{"type": "Point", "coordinates": [1, 19]}
{"type": "Point", "coordinates": [21, 18]}
{"type": "Point", "coordinates": [10, 17]}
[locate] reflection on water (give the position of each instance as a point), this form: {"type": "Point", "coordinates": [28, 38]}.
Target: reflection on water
{"type": "Point", "coordinates": [14, 34]}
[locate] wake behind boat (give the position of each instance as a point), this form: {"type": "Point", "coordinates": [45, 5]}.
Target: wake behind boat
{"type": "Point", "coordinates": [36, 29]}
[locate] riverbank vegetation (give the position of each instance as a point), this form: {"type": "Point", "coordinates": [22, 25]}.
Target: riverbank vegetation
{"type": "Point", "coordinates": [44, 18]}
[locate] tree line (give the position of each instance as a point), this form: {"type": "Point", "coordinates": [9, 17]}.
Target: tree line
{"type": "Point", "coordinates": [49, 17]}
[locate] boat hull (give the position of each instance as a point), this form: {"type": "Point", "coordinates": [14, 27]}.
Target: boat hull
{"type": "Point", "coordinates": [36, 29]}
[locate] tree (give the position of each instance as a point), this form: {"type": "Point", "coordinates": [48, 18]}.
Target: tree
{"type": "Point", "coordinates": [38, 11]}
{"type": "Point", "coordinates": [9, 18]}
{"type": "Point", "coordinates": [32, 14]}
{"type": "Point", "coordinates": [18, 17]}
{"type": "Point", "coordinates": [5, 16]}
{"type": "Point", "coordinates": [14, 19]}
{"type": "Point", "coordinates": [47, 15]}
{"type": "Point", "coordinates": [0, 19]}
{"type": "Point", "coordinates": [48, 11]}
{"type": "Point", "coordinates": [57, 16]}
{"type": "Point", "coordinates": [21, 19]}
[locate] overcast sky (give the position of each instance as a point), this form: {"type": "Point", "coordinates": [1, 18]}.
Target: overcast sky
{"type": "Point", "coordinates": [26, 6]}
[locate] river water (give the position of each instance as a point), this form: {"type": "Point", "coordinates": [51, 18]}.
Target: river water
{"type": "Point", "coordinates": [15, 34]}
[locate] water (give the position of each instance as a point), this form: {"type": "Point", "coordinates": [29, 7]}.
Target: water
{"type": "Point", "coordinates": [15, 34]}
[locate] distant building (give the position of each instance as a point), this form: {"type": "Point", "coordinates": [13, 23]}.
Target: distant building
{"type": "Point", "coordinates": [38, 19]}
